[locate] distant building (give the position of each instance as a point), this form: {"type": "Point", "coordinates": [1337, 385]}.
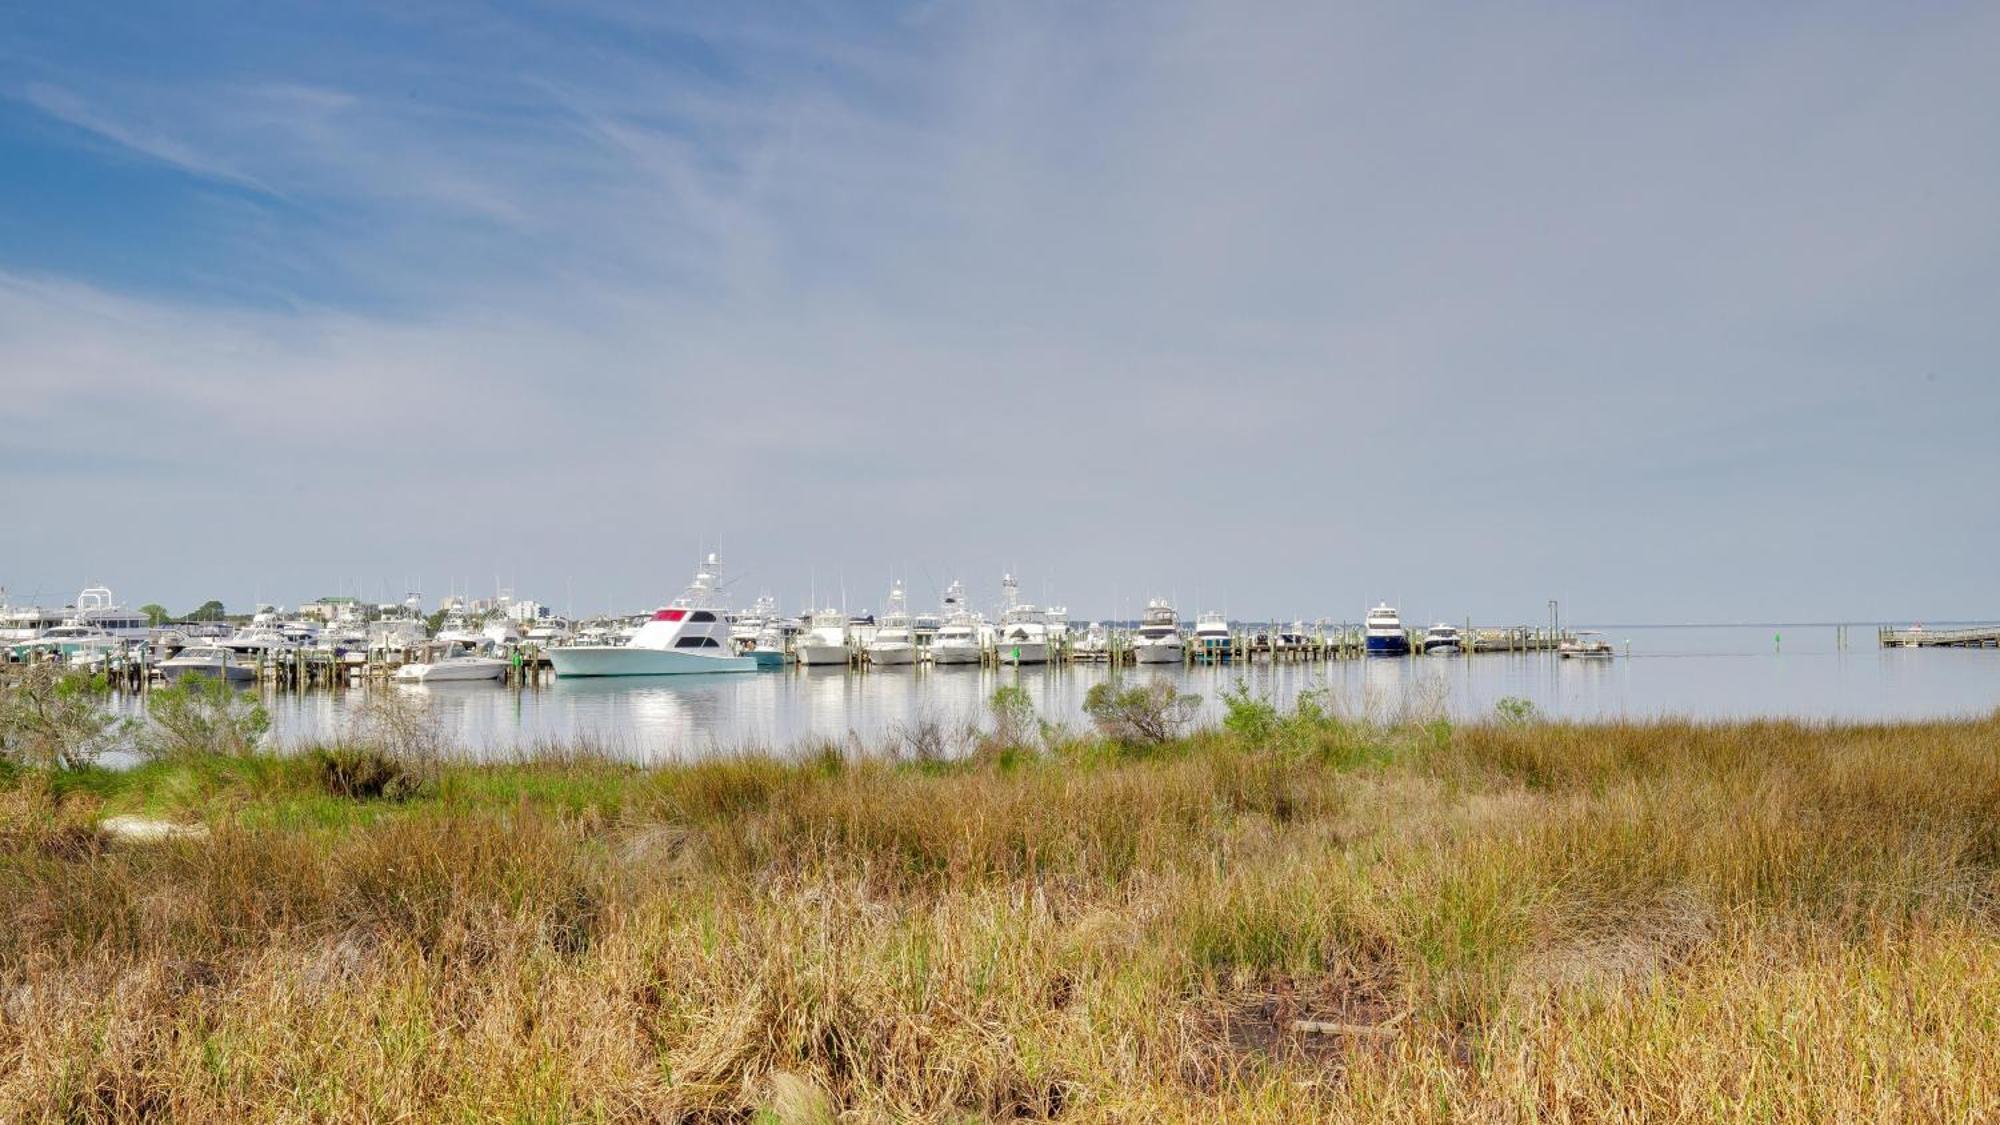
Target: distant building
{"type": "Point", "coordinates": [332, 609]}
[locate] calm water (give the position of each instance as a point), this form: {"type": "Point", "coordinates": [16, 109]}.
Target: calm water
{"type": "Point", "coordinates": [1702, 672]}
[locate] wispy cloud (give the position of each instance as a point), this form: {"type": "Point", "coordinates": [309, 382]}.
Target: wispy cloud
{"type": "Point", "coordinates": [70, 109]}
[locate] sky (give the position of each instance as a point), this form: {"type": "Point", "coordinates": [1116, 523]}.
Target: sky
{"type": "Point", "coordinates": [1672, 313]}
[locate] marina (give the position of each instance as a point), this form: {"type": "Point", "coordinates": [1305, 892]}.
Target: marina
{"type": "Point", "coordinates": [694, 674]}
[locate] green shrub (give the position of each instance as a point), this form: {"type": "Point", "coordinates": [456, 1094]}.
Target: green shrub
{"type": "Point", "coordinates": [1014, 720]}
{"type": "Point", "coordinates": [1249, 716]}
{"type": "Point", "coordinates": [56, 719]}
{"type": "Point", "coordinates": [1516, 711]}
{"type": "Point", "coordinates": [202, 715]}
{"type": "Point", "coordinates": [1145, 715]}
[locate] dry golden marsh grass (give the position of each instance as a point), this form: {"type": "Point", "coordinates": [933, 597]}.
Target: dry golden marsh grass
{"type": "Point", "coordinates": [1323, 921]}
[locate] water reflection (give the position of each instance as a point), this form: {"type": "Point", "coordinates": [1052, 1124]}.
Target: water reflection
{"type": "Point", "coordinates": [1701, 673]}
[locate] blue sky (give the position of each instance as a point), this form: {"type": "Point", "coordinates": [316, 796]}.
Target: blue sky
{"type": "Point", "coordinates": [1675, 314]}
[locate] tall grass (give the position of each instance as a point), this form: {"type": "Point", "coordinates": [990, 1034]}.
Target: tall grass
{"type": "Point", "coordinates": [1515, 921]}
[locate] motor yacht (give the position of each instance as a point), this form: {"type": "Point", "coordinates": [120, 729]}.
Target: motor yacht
{"type": "Point", "coordinates": [1212, 641]}
{"type": "Point", "coordinates": [1158, 640]}
{"type": "Point", "coordinates": [688, 636]}
{"type": "Point", "coordinates": [1442, 639]}
{"type": "Point", "coordinates": [1384, 635]}
{"type": "Point", "coordinates": [96, 608]}
{"type": "Point", "coordinates": [824, 641]}
{"type": "Point", "coordinates": [893, 643]}
{"type": "Point", "coordinates": [957, 640]}
{"type": "Point", "coordinates": [1024, 629]}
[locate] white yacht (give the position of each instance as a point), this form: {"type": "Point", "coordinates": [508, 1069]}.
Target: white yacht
{"type": "Point", "coordinates": [1094, 646]}
{"type": "Point", "coordinates": [459, 663]}
{"type": "Point", "coordinates": [1024, 629]}
{"type": "Point", "coordinates": [1443, 639]}
{"type": "Point", "coordinates": [95, 607]}
{"type": "Point", "coordinates": [894, 642]}
{"type": "Point", "coordinates": [1384, 635]}
{"type": "Point", "coordinates": [957, 640]}
{"type": "Point", "coordinates": [824, 641]}
{"type": "Point", "coordinates": [206, 659]}
{"type": "Point", "coordinates": [746, 627]}
{"type": "Point", "coordinates": [1158, 640]}
{"type": "Point", "coordinates": [689, 636]}
{"type": "Point", "coordinates": [26, 622]}
{"type": "Point", "coordinates": [1211, 638]}
{"type": "Point", "coordinates": [74, 642]}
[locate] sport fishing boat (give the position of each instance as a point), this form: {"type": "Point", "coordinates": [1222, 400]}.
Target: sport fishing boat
{"type": "Point", "coordinates": [688, 636]}
{"type": "Point", "coordinates": [1442, 640]}
{"type": "Point", "coordinates": [957, 640]}
{"type": "Point", "coordinates": [1384, 634]}
{"type": "Point", "coordinates": [1024, 628]}
{"type": "Point", "coordinates": [893, 642]}
{"type": "Point", "coordinates": [824, 642]}
{"type": "Point", "coordinates": [1211, 638]}
{"type": "Point", "coordinates": [1158, 640]}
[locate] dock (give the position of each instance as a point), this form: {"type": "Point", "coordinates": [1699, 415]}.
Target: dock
{"type": "Point", "coordinates": [1979, 636]}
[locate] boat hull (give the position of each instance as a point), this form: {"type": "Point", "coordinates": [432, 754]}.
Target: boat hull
{"type": "Point", "coordinates": [1158, 654]}
{"type": "Point", "coordinates": [890, 655]}
{"type": "Point", "coordinates": [1017, 653]}
{"type": "Point", "coordinates": [623, 660]}
{"type": "Point", "coordinates": [1388, 644]}
{"type": "Point", "coordinates": [175, 670]}
{"type": "Point", "coordinates": [954, 654]}
{"type": "Point", "coordinates": [820, 655]}
{"type": "Point", "coordinates": [454, 671]}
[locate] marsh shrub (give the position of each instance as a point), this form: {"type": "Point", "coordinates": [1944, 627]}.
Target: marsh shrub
{"type": "Point", "coordinates": [54, 718]}
{"type": "Point", "coordinates": [1144, 715]}
{"type": "Point", "coordinates": [202, 715]}
{"type": "Point", "coordinates": [1248, 715]}
{"type": "Point", "coordinates": [1015, 723]}
{"type": "Point", "coordinates": [1515, 711]}
{"type": "Point", "coordinates": [366, 773]}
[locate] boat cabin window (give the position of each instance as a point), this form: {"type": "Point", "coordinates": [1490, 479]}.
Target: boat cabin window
{"type": "Point", "coordinates": [696, 642]}
{"type": "Point", "coordinates": [700, 615]}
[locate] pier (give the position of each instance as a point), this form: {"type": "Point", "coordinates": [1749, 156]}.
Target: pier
{"type": "Point", "coordinates": [1980, 636]}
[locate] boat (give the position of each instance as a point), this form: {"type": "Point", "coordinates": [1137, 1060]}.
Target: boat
{"type": "Point", "coordinates": [893, 642]}
{"type": "Point", "coordinates": [25, 623]}
{"type": "Point", "coordinates": [824, 641]}
{"type": "Point", "coordinates": [97, 609]}
{"type": "Point", "coordinates": [1211, 638]}
{"type": "Point", "coordinates": [1383, 634]}
{"type": "Point", "coordinates": [74, 642]}
{"type": "Point", "coordinates": [1442, 639]}
{"type": "Point", "coordinates": [1093, 646]}
{"type": "Point", "coordinates": [690, 635]}
{"type": "Point", "coordinates": [206, 659]}
{"type": "Point", "coordinates": [1291, 638]}
{"type": "Point", "coordinates": [458, 663]}
{"type": "Point", "coordinates": [957, 640]}
{"type": "Point", "coordinates": [1024, 629]}
{"type": "Point", "coordinates": [1585, 644]}
{"type": "Point", "coordinates": [1158, 640]}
